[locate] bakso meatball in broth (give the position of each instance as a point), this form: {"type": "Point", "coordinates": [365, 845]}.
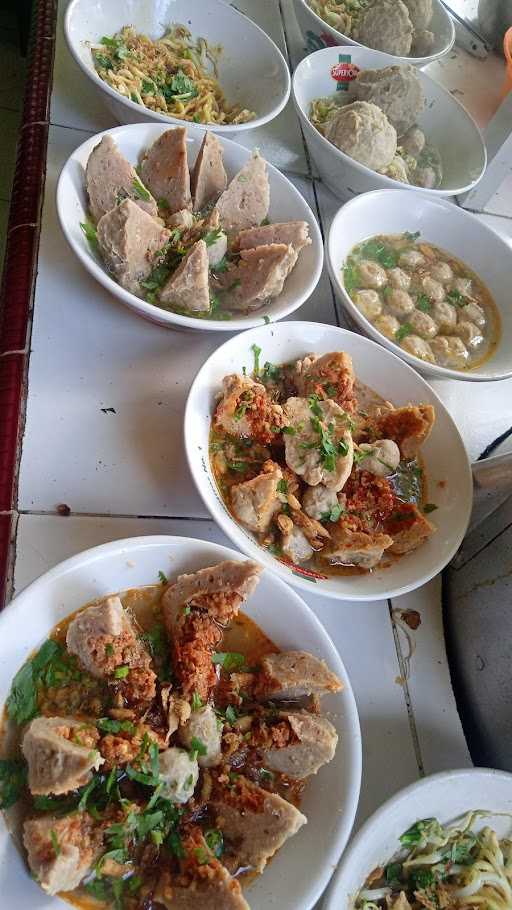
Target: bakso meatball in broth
{"type": "Point", "coordinates": [416, 346]}
{"type": "Point", "coordinates": [445, 315]}
{"type": "Point", "coordinates": [388, 325]}
{"type": "Point", "coordinates": [423, 324]}
{"type": "Point", "coordinates": [399, 302]}
{"type": "Point", "coordinates": [369, 303]}
{"type": "Point", "coordinates": [372, 274]}
{"type": "Point", "coordinates": [399, 279]}
{"type": "Point", "coordinates": [432, 288]}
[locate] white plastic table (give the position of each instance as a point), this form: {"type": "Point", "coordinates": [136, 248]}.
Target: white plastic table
{"type": "Point", "coordinates": [103, 432]}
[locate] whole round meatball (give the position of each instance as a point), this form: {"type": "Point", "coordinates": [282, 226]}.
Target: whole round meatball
{"type": "Point", "coordinates": [450, 352]}
{"type": "Point", "coordinates": [372, 274]}
{"type": "Point", "coordinates": [445, 315]}
{"type": "Point", "coordinates": [399, 302]}
{"type": "Point", "coordinates": [411, 259]}
{"type": "Point", "coordinates": [397, 170]}
{"type": "Point", "coordinates": [420, 12]}
{"type": "Point", "coordinates": [362, 131]}
{"type": "Point", "coordinates": [413, 142]}
{"type": "Point", "coordinates": [386, 26]}
{"type": "Point", "coordinates": [442, 272]}
{"type": "Point", "coordinates": [368, 303]}
{"type": "Point", "coordinates": [432, 288]}
{"type": "Point", "coordinates": [387, 325]}
{"type": "Point", "coordinates": [399, 279]}
{"type": "Point", "coordinates": [423, 324]}
{"type": "Point", "coordinates": [417, 346]}
{"type": "Point", "coordinates": [396, 90]}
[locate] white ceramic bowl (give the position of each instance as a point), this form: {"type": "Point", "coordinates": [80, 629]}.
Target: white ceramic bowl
{"type": "Point", "coordinates": [252, 70]}
{"type": "Point", "coordinates": [298, 875]}
{"type": "Point", "coordinates": [445, 796]}
{"type": "Point", "coordinates": [445, 122]}
{"type": "Point", "coordinates": [318, 34]}
{"type": "Point", "coordinates": [286, 204]}
{"type": "Point", "coordinates": [449, 227]}
{"type": "Point", "coordinates": [444, 453]}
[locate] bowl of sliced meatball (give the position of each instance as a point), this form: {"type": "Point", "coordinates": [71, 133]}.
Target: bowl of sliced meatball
{"type": "Point", "coordinates": [189, 229]}
{"type": "Point", "coordinates": [424, 283]}
{"type": "Point", "coordinates": [328, 459]}
{"type": "Point", "coordinates": [177, 726]}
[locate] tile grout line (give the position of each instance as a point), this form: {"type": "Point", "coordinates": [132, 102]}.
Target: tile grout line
{"type": "Point", "coordinates": [407, 695]}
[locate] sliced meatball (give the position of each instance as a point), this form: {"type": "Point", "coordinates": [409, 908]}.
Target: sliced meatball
{"type": "Point", "coordinates": [130, 242]}
{"type": "Point", "coordinates": [259, 276]}
{"type": "Point", "coordinates": [58, 755]}
{"type": "Point", "coordinates": [256, 501]}
{"type": "Point", "coordinates": [442, 272]}
{"type": "Point", "coordinates": [470, 333]}
{"type": "Point", "coordinates": [164, 169]}
{"type": "Point", "coordinates": [423, 324]}
{"type": "Point", "coordinates": [202, 727]}
{"type": "Point", "coordinates": [399, 302]}
{"type": "Point", "coordinates": [318, 502]}
{"type": "Point", "coordinates": [255, 823]}
{"type": "Point", "coordinates": [179, 773]}
{"type": "Point", "coordinates": [329, 376]}
{"type": "Point", "coordinates": [208, 179]}
{"type": "Point", "coordinates": [294, 674]}
{"type": "Point", "coordinates": [388, 325]}
{"type": "Point", "coordinates": [245, 203]}
{"type": "Point", "coordinates": [382, 457]}
{"type": "Point", "coordinates": [445, 315]}
{"type": "Point", "coordinates": [247, 410]}
{"type": "Point", "coordinates": [409, 427]}
{"type": "Point", "coordinates": [188, 286]}
{"type": "Point", "coordinates": [369, 304]}
{"type": "Point", "coordinates": [291, 233]}
{"type": "Point", "coordinates": [296, 546]}
{"type": "Point", "coordinates": [61, 851]}
{"type": "Point", "coordinates": [473, 312]}
{"type": "Point", "coordinates": [418, 347]}
{"type": "Point", "coordinates": [110, 179]}
{"type": "Point", "coordinates": [372, 274]}
{"type": "Point", "coordinates": [355, 548]}
{"type": "Point", "coordinates": [450, 351]}
{"type": "Point", "coordinates": [103, 638]}
{"type": "Point", "coordinates": [399, 279]}
{"type": "Point", "coordinates": [408, 528]}
{"type": "Point", "coordinates": [303, 451]}
{"type": "Point", "coordinates": [433, 289]}
{"type": "Point", "coordinates": [312, 744]}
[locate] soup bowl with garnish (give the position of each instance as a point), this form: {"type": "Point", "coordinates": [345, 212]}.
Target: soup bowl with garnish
{"type": "Point", "coordinates": [119, 753]}
{"type": "Point", "coordinates": [189, 229]}
{"type": "Point", "coordinates": [200, 61]}
{"type": "Point", "coordinates": [428, 280]}
{"type": "Point", "coordinates": [449, 834]}
{"type": "Point", "coordinates": [328, 459]}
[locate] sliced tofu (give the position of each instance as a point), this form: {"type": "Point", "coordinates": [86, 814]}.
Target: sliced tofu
{"type": "Point", "coordinates": [409, 427]}
{"type": "Point", "coordinates": [294, 674]}
{"type": "Point", "coordinates": [312, 744]}
{"type": "Point", "coordinates": [291, 233]}
{"type": "Point", "coordinates": [244, 204]}
{"type": "Point", "coordinates": [256, 501]}
{"type": "Point", "coordinates": [199, 883]}
{"type": "Point", "coordinates": [195, 608]}
{"type": "Point", "coordinates": [331, 375]}
{"type": "Point", "coordinates": [355, 548]}
{"type": "Point", "coordinates": [61, 851]}
{"type": "Point", "coordinates": [164, 169]}
{"type": "Point", "coordinates": [110, 178]}
{"type": "Point", "coordinates": [203, 727]}
{"type": "Point", "coordinates": [208, 178]}
{"type": "Point", "coordinates": [179, 772]}
{"type": "Point", "coordinates": [258, 277]}
{"type": "Point", "coordinates": [408, 527]}
{"type": "Point", "coordinates": [303, 451]}
{"type": "Point", "coordinates": [130, 241]}
{"type": "Point", "coordinates": [57, 763]}
{"type": "Point", "coordinates": [103, 638]}
{"type": "Point", "coordinates": [246, 409]}
{"type": "Point", "coordinates": [188, 288]}
{"type": "Point", "coordinates": [254, 823]}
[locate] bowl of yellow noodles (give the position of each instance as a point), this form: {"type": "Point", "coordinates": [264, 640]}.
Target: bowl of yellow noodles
{"type": "Point", "coordinates": [198, 61]}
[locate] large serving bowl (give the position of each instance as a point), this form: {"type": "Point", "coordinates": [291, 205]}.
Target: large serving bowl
{"type": "Point", "coordinates": [252, 70]}
{"type": "Point", "coordinates": [447, 226]}
{"type": "Point", "coordinates": [446, 462]}
{"type": "Point", "coordinates": [445, 796]}
{"type": "Point", "coordinates": [298, 875]}
{"type": "Point", "coordinates": [286, 204]}
{"type": "Point", "coordinates": [444, 121]}
{"type": "Point", "coordinates": [318, 34]}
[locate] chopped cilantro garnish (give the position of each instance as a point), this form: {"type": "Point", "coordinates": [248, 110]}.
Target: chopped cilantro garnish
{"type": "Point", "coordinates": [214, 841]}
{"type": "Point", "coordinates": [90, 233]}
{"type": "Point", "coordinates": [196, 702]}
{"type": "Point", "coordinates": [423, 303]}
{"type": "Point", "coordinates": [212, 236]}
{"type": "Point", "coordinates": [256, 351]}
{"type": "Point", "coordinates": [228, 660]}
{"type": "Point", "coordinates": [411, 236]}
{"type": "Point", "coordinates": [231, 714]}
{"type": "Point", "coordinates": [121, 672]}
{"type": "Point", "coordinates": [404, 330]}
{"type": "Point", "coordinates": [197, 747]}
{"type": "Point", "coordinates": [140, 190]}
{"type": "Point", "coordinates": [162, 577]}
{"type": "Point", "coordinates": [282, 486]}
{"type": "Point", "coordinates": [107, 725]}
{"type": "Point", "coordinates": [333, 515]}
{"type": "Point", "coordinates": [55, 842]}
{"type": "Point", "coordinates": [429, 507]}
{"type": "Point", "coordinates": [13, 778]}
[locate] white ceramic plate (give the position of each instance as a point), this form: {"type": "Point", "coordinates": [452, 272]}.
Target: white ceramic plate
{"type": "Point", "coordinates": [298, 875]}
{"type": "Point", "coordinates": [252, 70]}
{"type": "Point", "coordinates": [449, 227]}
{"type": "Point", "coordinates": [318, 34]}
{"type": "Point", "coordinates": [445, 796]}
{"type": "Point", "coordinates": [444, 454]}
{"type": "Point", "coordinates": [286, 204]}
{"type": "Point", "coordinates": [445, 122]}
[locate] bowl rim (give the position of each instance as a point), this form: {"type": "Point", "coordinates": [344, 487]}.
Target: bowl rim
{"type": "Point", "coordinates": [370, 173]}
{"type": "Point", "coordinates": [432, 369]}
{"type": "Point", "coordinates": [332, 898]}
{"type": "Point", "coordinates": [228, 128]}
{"type": "Point", "coordinates": [250, 547]}
{"type": "Point", "coordinates": [351, 746]}
{"type": "Point", "coordinates": [415, 61]}
{"type": "Point", "coordinates": [167, 318]}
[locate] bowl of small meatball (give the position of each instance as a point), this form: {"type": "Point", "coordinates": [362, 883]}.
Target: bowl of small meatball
{"type": "Point", "coordinates": [424, 282]}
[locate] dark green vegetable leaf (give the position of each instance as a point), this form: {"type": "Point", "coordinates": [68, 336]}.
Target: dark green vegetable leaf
{"type": "Point", "coordinates": [404, 330]}
{"type": "Point", "coordinates": [13, 780]}
{"type": "Point", "coordinates": [282, 486]}
{"type": "Point", "coordinates": [106, 725]}
{"type": "Point", "coordinates": [412, 237]}
{"type": "Point", "coordinates": [231, 715]}
{"type": "Point", "coordinates": [215, 841]}
{"type": "Point", "coordinates": [197, 747]}
{"type": "Point", "coordinates": [429, 507]}
{"type": "Point", "coordinates": [333, 515]}
{"type": "Point", "coordinates": [423, 303]}
{"type": "Point", "coordinates": [351, 276]}
{"type": "Point", "coordinates": [162, 577]}
{"type": "Point", "coordinates": [379, 252]}
{"type": "Point", "coordinates": [228, 660]}
{"type": "Point", "coordinates": [212, 236]}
